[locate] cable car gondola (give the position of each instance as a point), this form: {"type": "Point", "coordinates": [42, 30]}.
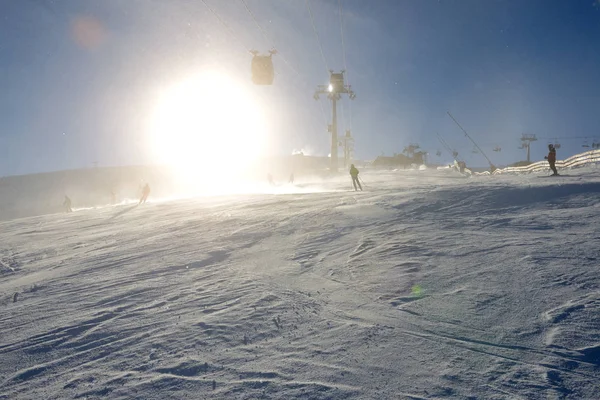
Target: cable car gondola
{"type": "Point", "coordinates": [262, 69]}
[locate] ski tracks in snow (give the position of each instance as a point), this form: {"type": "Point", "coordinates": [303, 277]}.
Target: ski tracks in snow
{"type": "Point", "coordinates": [426, 289]}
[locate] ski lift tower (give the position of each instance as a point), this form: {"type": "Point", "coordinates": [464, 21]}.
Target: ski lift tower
{"type": "Point", "coordinates": [348, 143]}
{"type": "Point", "coordinates": [526, 140]}
{"type": "Point", "coordinates": [334, 92]}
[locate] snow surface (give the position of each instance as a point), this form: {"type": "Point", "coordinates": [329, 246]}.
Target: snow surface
{"type": "Point", "coordinates": [427, 285]}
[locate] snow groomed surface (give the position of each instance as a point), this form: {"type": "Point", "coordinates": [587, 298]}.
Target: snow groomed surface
{"type": "Point", "coordinates": [427, 285]}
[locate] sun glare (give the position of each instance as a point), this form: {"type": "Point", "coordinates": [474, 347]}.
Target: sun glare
{"type": "Point", "coordinates": [207, 126]}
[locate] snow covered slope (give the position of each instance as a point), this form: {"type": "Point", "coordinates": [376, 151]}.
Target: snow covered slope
{"type": "Point", "coordinates": [44, 193]}
{"type": "Point", "coordinates": [425, 286]}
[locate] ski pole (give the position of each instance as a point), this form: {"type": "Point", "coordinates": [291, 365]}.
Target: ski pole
{"type": "Point", "coordinates": [361, 181]}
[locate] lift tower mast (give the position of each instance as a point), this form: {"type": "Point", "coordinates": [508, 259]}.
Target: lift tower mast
{"type": "Point", "coordinates": [526, 140]}
{"type": "Point", "coordinates": [334, 92]}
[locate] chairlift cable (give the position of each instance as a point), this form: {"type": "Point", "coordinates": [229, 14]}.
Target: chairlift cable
{"type": "Point", "coordinates": [447, 146]}
{"type": "Point", "coordinates": [231, 32]}
{"type": "Point", "coordinates": [264, 34]}
{"type": "Point", "coordinates": [443, 142]}
{"type": "Point", "coordinates": [471, 139]}
{"type": "Point", "coordinates": [345, 64]}
{"type": "Point", "coordinates": [267, 38]}
{"type": "Point", "coordinates": [565, 137]}
{"type": "Point", "coordinates": [342, 35]}
{"type": "Point", "coordinates": [260, 28]}
{"type": "Point", "coordinates": [312, 19]}
{"type": "Point", "coordinates": [344, 58]}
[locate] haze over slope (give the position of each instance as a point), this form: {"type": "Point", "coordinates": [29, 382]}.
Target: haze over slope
{"type": "Point", "coordinates": [426, 285]}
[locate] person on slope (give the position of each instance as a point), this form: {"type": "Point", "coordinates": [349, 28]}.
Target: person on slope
{"type": "Point", "coordinates": [291, 181]}
{"type": "Point", "coordinates": [67, 204]}
{"type": "Point", "coordinates": [551, 157]}
{"type": "Point", "coordinates": [145, 193]}
{"type": "Point", "coordinates": [354, 175]}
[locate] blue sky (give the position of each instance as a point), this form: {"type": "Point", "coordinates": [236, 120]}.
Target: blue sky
{"type": "Point", "coordinates": [501, 67]}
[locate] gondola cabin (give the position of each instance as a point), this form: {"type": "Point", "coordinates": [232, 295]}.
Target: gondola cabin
{"type": "Point", "coordinates": [262, 69]}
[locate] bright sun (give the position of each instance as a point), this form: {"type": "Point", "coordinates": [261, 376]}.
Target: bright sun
{"type": "Point", "coordinates": [208, 125]}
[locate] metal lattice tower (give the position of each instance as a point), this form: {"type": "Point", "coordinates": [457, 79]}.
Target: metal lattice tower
{"type": "Point", "coordinates": [348, 143]}
{"type": "Point", "coordinates": [334, 92]}
{"type": "Point", "coordinates": [526, 140]}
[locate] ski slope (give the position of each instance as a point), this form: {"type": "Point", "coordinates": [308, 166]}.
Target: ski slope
{"type": "Point", "coordinates": [427, 285]}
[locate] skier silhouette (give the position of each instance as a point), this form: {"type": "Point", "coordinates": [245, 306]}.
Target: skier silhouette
{"type": "Point", "coordinates": [354, 175]}
{"type": "Point", "coordinates": [145, 193]}
{"type": "Point", "coordinates": [67, 204]}
{"type": "Point", "coordinates": [292, 178]}
{"type": "Point", "coordinates": [551, 157]}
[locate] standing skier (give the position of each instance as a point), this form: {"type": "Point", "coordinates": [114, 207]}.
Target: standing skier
{"type": "Point", "coordinates": [145, 193]}
{"type": "Point", "coordinates": [354, 175]}
{"type": "Point", "coordinates": [551, 157]}
{"type": "Point", "coordinates": [67, 204]}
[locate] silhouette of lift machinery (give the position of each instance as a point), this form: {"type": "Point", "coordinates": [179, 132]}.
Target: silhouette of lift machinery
{"type": "Point", "coordinates": [585, 144]}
